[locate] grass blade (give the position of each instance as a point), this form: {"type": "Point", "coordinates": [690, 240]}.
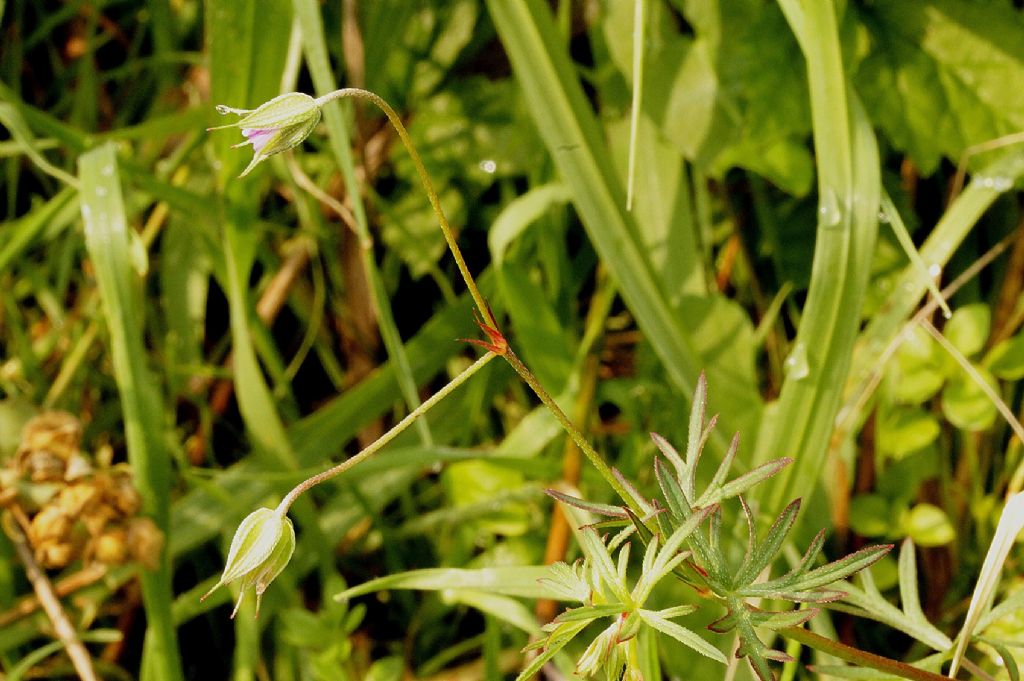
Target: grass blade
{"type": "Point", "coordinates": [570, 131]}
{"type": "Point", "coordinates": [848, 189]}
{"type": "Point", "coordinates": [108, 244]}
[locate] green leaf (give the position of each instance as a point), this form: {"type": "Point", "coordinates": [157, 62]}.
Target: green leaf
{"type": "Point", "coordinates": [564, 117]}
{"type": "Point", "coordinates": [966, 405]}
{"type": "Point", "coordinates": [762, 554]}
{"type": "Point", "coordinates": [870, 603]}
{"type": "Point", "coordinates": [969, 328]}
{"type": "Point", "coordinates": [849, 184]}
{"type": "Point", "coordinates": [744, 482]}
{"type": "Point", "coordinates": [107, 241]}
{"type": "Point", "coordinates": [558, 639]}
{"type": "Point", "coordinates": [475, 483]}
{"type": "Point", "coordinates": [842, 568]}
{"type": "Point", "coordinates": [588, 613]}
{"type": "Point", "coordinates": [1009, 663]}
{"type": "Point", "coordinates": [731, 96]}
{"type": "Point", "coordinates": [870, 515]}
{"type": "Point", "coordinates": [903, 430]}
{"type": "Point", "coordinates": [1006, 359]}
{"type": "Point", "coordinates": [523, 581]}
{"type": "Point", "coordinates": [935, 79]}
{"type": "Point", "coordinates": [918, 370]}
{"type": "Point", "coordinates": [386, 669]}
{"type": "Point", "coordinates": [682, 634]}
{"type": "Point", "coordinates": [928, 525]}
{"type": "Point", "coordinates": [589, 506]}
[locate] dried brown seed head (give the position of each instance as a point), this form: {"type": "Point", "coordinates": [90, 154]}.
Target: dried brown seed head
{"type": "Point", "coordinates": [145, 542]}
{"type": "Point", "coordinates": [111, 547]}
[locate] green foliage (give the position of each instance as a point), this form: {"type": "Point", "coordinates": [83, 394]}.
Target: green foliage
{"type": "Point", "coordinates": [229, 338]}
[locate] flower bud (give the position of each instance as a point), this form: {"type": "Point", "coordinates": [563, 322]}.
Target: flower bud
{"type": "Point", "coordinates": [281, 123]}
{"type": "Point", "coordinates": [260, 550]}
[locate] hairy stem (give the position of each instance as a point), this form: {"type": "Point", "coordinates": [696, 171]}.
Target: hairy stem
{"type": "Point", "coordinates": [574, 433]}
{"type": "Point", "coordinates": [859, 657]}
{"type": "Point", "coordinates": [435, 203]}
{"type": "Point", "coordinates": [384, 439]}
{"type": "Point", "coordinates": [481, 304]}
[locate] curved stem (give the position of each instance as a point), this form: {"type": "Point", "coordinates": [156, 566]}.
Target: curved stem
{"type": "Point", "coordinates": [384, 439]}
{"type": "Point", "coordinates": [435, 203]}
{"type": "Point", "coordinates": [574, 433]}
{"type": "Point", "coordinates": [481, 304]}
{"type": "Point", "coordinates": [858, 657]}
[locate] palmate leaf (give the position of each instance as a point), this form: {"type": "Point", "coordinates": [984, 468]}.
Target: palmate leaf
{"type": "Point", "coordinates": [557, 640]}
{"type": "Point", "coordinates": [801, 584]}
{"type": "Point", "coordinates": [868, 602]}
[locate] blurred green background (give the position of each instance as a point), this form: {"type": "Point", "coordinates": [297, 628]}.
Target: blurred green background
{"type": "Point", "coordinates": [225, 338]}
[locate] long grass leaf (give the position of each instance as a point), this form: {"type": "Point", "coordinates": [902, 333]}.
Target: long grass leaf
{"type": "Point", "coordinates": [307, 12]}
{"type": "Point", "coordinates": [848, 194]}
{"type": "Point", "coordinates": [523, 581]}
{"type": "Point", "coordinates": [107, 240]}
{"type": "Point", "coordinates": [570, 131]}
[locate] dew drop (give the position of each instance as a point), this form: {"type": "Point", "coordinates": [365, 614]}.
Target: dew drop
{"type": "Point", "coordinates": [101, 191]}
{"type": "Point", "coordinates": [934, 270]}
{"type": "Point", "coordinates": [796, 366]}
{"type": "Point", "coordinates": [828, 209]}
{"type": "Point", "coordinates": [488, 166]}
{"type": "Point", "coordinates": [883, 217]}
{"type": "Point", "coordinates": [999, 183]}
{"type": "Point", "coordinates": [107, 171]}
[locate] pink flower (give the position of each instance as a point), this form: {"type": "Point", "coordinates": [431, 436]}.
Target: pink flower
{"type": "Point", "coordinates": [281, 123]}
{"type": "Point", "coordinates": [257, 137]}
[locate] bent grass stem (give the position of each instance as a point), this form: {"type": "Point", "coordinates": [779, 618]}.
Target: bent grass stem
{"type": "Point", "coordinates": [435, 202]}
{"type": "Point", "coordinates": [379, 443]}
{"type": "Point", "coordinates": [478, 299]}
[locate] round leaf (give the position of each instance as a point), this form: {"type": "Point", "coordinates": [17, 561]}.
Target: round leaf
{"type": "Point", "coordinates": [870, 515]}
{"type": "Point", "coordinates": [928, 525]}
{"type": "Point", "coordinates": [969, 327]}
{"type": "Point", "coordinates": [1006, 360]}
{"type": "Point", "coordinates": [966, 405]}
{"type": "Point", "coordinates": [918, 372]}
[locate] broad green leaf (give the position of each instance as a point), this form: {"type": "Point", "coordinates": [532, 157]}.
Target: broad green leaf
{"type": "Point", "coordinates": [1006, 359]}
{"type": "Point", "coordinates": [715, 100]}
{"type": "Point", "coordinates": [969, 327]}
{"type": "Point", "coordinates": [505, 608]}
{"type": "Point", "coordinates": [928, 525]}
{"type": "Point", "coordinates": [966, 405]}
{"type": "Point", "coordinates": [903, 430]}
{"type": "Point", "coordinates": [386, 669]}
{"type": "Point", "coordinates": [935, 77]}
{"type": "Point", "coordinates": [918, 370]}
{"type": "Point", "coordinates": [410, 227]}
{"type": "Point", "coordinates": [870, 515]}
{"type": "Point", "coordinates": [519, 214]}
